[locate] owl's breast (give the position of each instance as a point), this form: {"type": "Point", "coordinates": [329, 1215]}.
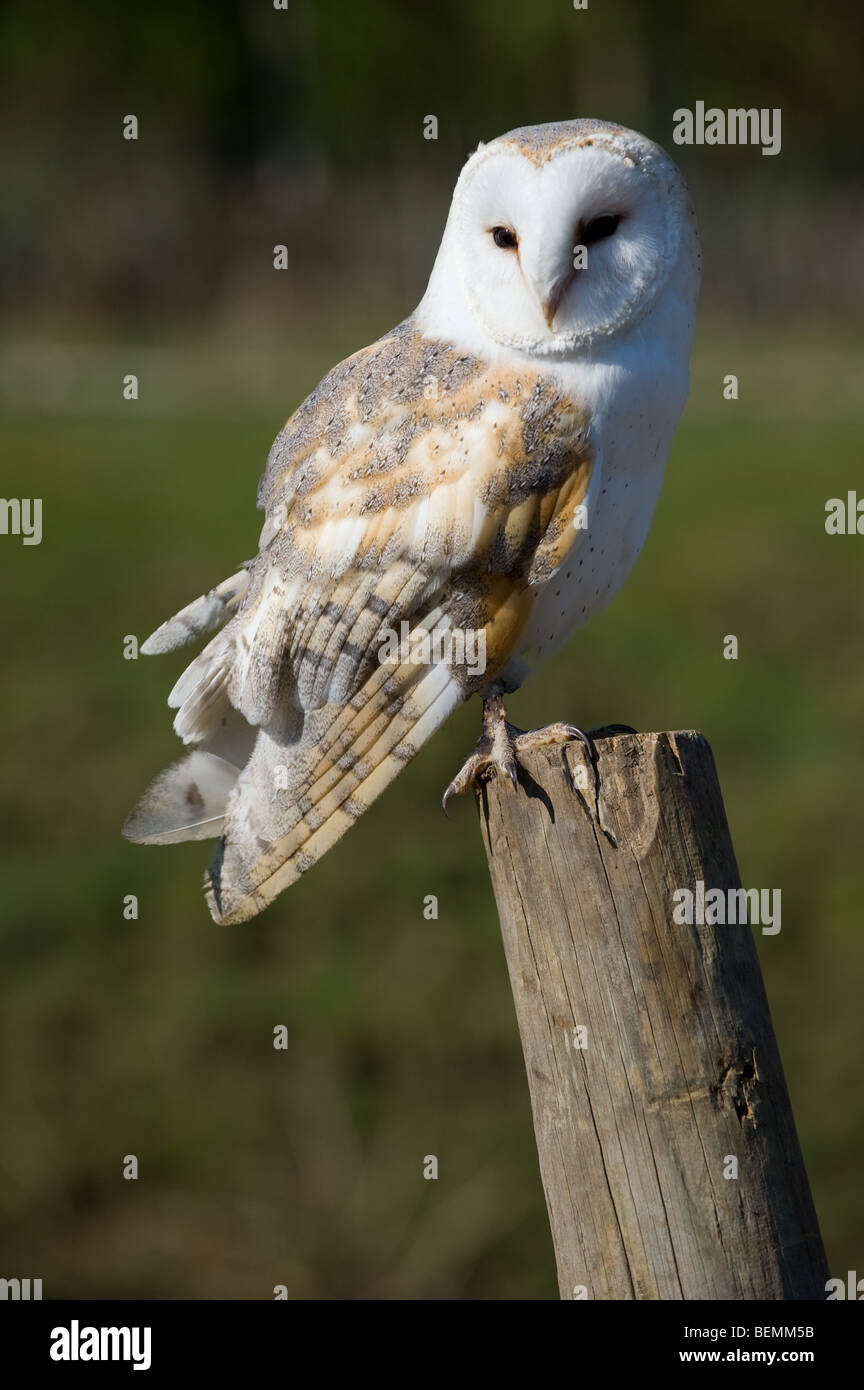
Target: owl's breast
{"type": "Point", "coordinates": [610, 530]}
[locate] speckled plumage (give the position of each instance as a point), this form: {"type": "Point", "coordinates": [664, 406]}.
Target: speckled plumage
{"type": "Point", "coordinates": [432, 479]}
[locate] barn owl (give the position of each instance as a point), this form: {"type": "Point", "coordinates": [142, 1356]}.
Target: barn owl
{"type": "Point", "coordinates": [489, 468]}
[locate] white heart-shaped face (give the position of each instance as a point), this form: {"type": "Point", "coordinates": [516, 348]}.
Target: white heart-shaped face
{"type": "Point", "coordinates": [518, 221]}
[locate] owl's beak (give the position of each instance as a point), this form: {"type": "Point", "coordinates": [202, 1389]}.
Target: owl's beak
{"type": "Point", "coordinates": [550, 301]}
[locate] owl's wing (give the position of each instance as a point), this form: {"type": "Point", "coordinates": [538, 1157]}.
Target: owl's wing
{"type": "Point", "coordinates": [417, 486]}
{"type": "Point", "coordinates": [414, 474]}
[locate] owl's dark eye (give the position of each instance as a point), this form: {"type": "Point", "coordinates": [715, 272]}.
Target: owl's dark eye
{"type": "Point", "coordinates": [505, 238]}
{"type": "Point", "coordinates": [599, 228]}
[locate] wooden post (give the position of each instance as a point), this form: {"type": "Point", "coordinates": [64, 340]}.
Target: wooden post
{"type": "Point", "coordinates": [667, 1146]}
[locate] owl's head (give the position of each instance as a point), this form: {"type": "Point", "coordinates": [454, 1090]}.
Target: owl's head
{"type": "Point", "coordinates": [563, 235]}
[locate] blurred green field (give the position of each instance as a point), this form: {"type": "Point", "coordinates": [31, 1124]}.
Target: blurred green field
{"type": "Point", "coordinates": [154, 1037]}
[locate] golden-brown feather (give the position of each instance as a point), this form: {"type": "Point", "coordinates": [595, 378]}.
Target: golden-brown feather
{"type": "Point", "coordinates": [417, 484]}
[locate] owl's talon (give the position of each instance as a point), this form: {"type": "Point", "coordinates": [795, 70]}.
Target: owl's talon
{"type": "Point", "coordinates": [551, 735]}
{"type": "Point", "coordinates": [499, 744]}
{"type": "Point", "coordinates": [494, 752]}
{"type": "Point", "coordinates": [470, 771]}
{"type": "Point", "coordinates": [482, 764]}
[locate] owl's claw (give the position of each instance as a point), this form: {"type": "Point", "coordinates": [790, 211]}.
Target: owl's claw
{"type": "Point", "coordinates": [478, 768]}
{"type": "Point", "coordinates": [493, 753]}
{"type": "Point", "coordinates": [500, 742]}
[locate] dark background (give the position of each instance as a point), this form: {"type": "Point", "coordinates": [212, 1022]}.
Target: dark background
{"type": "Point", "coordinates": [155, 257]}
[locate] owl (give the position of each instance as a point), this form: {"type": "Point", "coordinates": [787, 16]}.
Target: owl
{"type": "Point", "coordinates": [444, 509]}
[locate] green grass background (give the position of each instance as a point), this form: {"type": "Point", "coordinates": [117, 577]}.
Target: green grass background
{"type": "Point", "coordinates": [154, 1037]}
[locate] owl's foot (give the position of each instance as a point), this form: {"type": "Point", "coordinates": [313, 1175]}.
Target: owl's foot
{"type": "Point", "coordinates": [493, 753]}
{"type": "Point", "coordinates": [500, 742]}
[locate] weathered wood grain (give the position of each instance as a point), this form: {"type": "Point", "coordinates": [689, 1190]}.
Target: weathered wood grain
{"type": "Point", "coordinates": [680, 1071]}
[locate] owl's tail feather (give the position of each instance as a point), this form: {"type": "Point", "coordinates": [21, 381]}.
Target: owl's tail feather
{"type": "Point", "coordinates": [292, 802]}
{"type": "Point", "coordinates": [201, 615]}
{"type": "Point", "coordinates": [186, 802]}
